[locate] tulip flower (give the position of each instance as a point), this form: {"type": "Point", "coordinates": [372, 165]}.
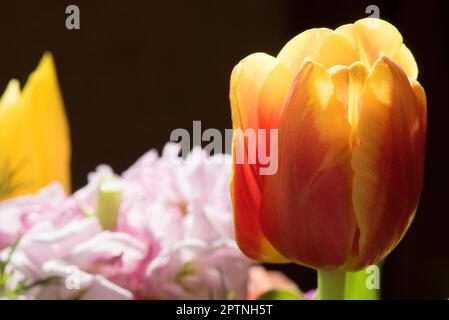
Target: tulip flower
{"type": "Point", "coordinates": [351, 119]}
{"type": "Point", "coordinates": [34, 134]}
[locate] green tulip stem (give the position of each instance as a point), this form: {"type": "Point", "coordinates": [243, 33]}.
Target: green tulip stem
{"type": "Point", "coordinates": [331, 285]}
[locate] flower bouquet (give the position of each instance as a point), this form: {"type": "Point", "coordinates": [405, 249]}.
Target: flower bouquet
{"type": "Point", "coordinates": [346, 118]}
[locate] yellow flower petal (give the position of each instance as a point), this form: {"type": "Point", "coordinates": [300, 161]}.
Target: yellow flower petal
{"type": "Point", "coordinates": [371, 37]}
{"type": "Point", "coordinates": [247, 82]}
{"type": "Point", "coordinates": [34, 133]}
{"type": "Point", "coordinates": [272, 96]}
{"type": "Point", "coordinates": [306, 44]}
{"type": "Point", "coordinates": [16, 173]}
{"type": "Point", "coordinates": [405, 59]}
{"type": "Point", "coordinates": [388, 161]}
{"type": "Point", "coordinates": [46, 115]}
{"type": "Point", "coordinates": [349, 83]}
{"type": "Point", "coordinates": [336, 50]}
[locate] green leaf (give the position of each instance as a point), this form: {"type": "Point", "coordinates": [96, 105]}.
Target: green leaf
{"type": "Point", "coordinates": [280, 294]}
{"type": "Point", "coordinates": [356, 288]}
{"type": "Point", "coordinates": [38, 283]}
{"type": "Point", "coordinates": [3, 264]}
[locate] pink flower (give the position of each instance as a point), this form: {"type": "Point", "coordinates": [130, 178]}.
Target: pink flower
{"type": "Point", "coordinates": [197, 270]}
{"type": "Point", "coordinates": [46, 251]}
{"type": "Point", "coordinates": [17, 216]}
{"type": "Point", "coordinates": [262, 281]}
{"type": "Point", "coordinates": [171, 234]}
{"type": "Point", "coordinates": [199, 258]}
{"type": "Point", "coordinates": [79, 284]}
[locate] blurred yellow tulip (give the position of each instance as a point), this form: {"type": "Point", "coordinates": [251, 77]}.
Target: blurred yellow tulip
{"type": "Point", "coordinates": [34, 134]}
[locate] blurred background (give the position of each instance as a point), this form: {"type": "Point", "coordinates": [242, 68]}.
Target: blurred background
{"type": "Point", "coordinates": [136, 70]}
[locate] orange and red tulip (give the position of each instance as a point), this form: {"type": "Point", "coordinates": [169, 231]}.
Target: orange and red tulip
{"type": "Point", "coordinates": [352, 123]}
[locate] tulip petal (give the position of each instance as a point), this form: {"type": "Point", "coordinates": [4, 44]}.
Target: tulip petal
{"type": "Point", "coordinates": [272, 96]}
{"type": "Point", "coordinates": [388, 161]}
{"type": "Point", "coordinates": [347, 31]}
{"type": "Point", "coordinates": [247, 81]}
{"type": "Point", "coordinates": [336, 50]}
{"type": "Point", "coordinates": [10, 96]}
{"type": "Point", "coordinates": [17, 172]}
{"type": "Point", "coordinates": [349, 83]}
{"type": "Point", "coordinates": [307, 203]}
{"type": "Point", "coordinates": [34, 136]}
{"type": "Point", "coordinates": [371, 37]}
{"type": "Point", "coordinates": [46, 118]}
{"type": "Point", "coordinates": [306, 44]}
{"type": "Point", "coordinates": [405, 59]}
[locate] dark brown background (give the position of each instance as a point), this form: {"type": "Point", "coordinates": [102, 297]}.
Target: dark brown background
{"type": "Point", "coordinates": [138, 69]}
